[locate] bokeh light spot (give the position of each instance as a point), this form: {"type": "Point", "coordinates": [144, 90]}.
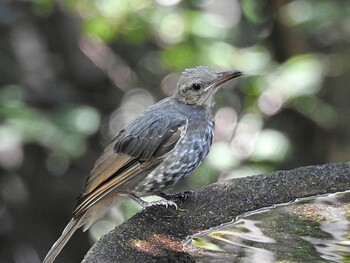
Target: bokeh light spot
{"type": "Point", "coordinates": [270, 145]}
{"type": "Point", "coordinates": [221, 156]}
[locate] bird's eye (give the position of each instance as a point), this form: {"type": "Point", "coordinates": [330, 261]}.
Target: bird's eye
{"type": "Point", "coordinates": [196, 86]}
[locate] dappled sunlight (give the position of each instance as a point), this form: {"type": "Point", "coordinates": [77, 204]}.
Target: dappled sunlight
{"type": "Point", "coordinates": [255, 60]}
{"type": "Point", "coordinates": [246, 133]}
{"type": "Point", "coordinates": [168, 2]}
{"type": "Point", "coordinates": [301, 75]}
{"type": "Point", "coordinates": [221, 157]}
{"type": "Point", "coordinates": [270, 102]}
{"type": "Point", "coordinates": [225, 123]}
{"type": "Point", "coordinates": [172, 28]}
{"type": "Point", "coordinates": [11, 152]}
{"type": "Point", "coordinates": [73, 73]}
{"type": "Point", "coordinates": [296, 12]}
{"type": "Point", "coordinates": [270, 145]}
{"type": "Point", "coordinates": [226, 15]}
{"type": "Point", "coordinates": [317, 110]}
{"type": "Point", "coordinates": [156, 244]}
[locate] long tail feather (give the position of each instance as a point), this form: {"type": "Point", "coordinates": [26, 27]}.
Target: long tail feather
{"type": "Point", "coordinates": [67, 233]}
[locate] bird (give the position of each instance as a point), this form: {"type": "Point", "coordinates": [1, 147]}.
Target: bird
{"type": "Point", "coordinates": [151, 154]}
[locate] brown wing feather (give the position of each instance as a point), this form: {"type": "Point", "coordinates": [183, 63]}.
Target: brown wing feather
{"type": "Point", "coordinates": [106, 169]}
{"type": "Point", "coordinates": [105, 166]}
{"type": "Point", "coordinates": [107, 187]}
{"type": "Point", "coordinates": [129, 158]}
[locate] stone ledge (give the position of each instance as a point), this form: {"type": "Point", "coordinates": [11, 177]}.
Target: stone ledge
{"type": "Point", "coordinates": [156, 234]}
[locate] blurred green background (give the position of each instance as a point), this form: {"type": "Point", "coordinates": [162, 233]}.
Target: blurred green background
{"type": "Point", "coordinates": [73, 72]}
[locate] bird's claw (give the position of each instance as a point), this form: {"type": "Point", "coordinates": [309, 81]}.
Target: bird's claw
{"type": "Point", "coordinates": [145, 204]}
{"type": "Point", "coordinates": [162, 202]}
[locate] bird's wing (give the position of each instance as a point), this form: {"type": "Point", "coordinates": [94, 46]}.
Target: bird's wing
{"type": "Point", "coordinates": [134, 152]}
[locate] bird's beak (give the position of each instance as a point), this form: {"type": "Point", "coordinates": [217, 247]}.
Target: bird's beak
{"type": "Point", "coordinates": [226, 76]}
{"type": "Point", "coordinates": [223, 77]}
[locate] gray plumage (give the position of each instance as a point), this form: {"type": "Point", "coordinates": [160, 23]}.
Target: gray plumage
{"type": "Point", "coordinates": [164, 144]}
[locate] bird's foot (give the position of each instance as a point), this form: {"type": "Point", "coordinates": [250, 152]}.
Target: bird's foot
{"type": "Point", "coordinates": [180, 195]}
{"type": "Point", "coordinates": [163, 202]}
{"type": "Point", "coordinates": [145, 204]}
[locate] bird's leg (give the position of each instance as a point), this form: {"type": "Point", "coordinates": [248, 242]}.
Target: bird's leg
{"type": "Point", "coordinates": [180, 195]}
{"type": "Point", "coordinates": [145, 204]}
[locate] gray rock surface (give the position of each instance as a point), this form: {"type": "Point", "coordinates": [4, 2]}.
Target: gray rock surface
{"type": "Point", "coordinates": [156, 234]}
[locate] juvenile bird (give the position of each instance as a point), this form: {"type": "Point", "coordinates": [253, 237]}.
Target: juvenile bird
{"type": "Point", "coordinates": [164, 144]}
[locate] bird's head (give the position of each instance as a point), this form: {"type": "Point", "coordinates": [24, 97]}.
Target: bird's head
{"type": "Point", "coordinates": [198, 85]}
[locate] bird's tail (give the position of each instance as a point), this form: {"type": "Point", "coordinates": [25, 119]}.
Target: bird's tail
{"type": "Point", "coordinates": [67, 233]}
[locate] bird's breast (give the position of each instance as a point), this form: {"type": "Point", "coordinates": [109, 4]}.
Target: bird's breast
{"type": "Point", "coordinates": [195, 145]}
{"type": "Point", "coordinates": [190, 151]}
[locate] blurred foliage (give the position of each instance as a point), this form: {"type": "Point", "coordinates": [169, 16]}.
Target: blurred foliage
{"type": "Point", "coordinates": [75, 72]}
